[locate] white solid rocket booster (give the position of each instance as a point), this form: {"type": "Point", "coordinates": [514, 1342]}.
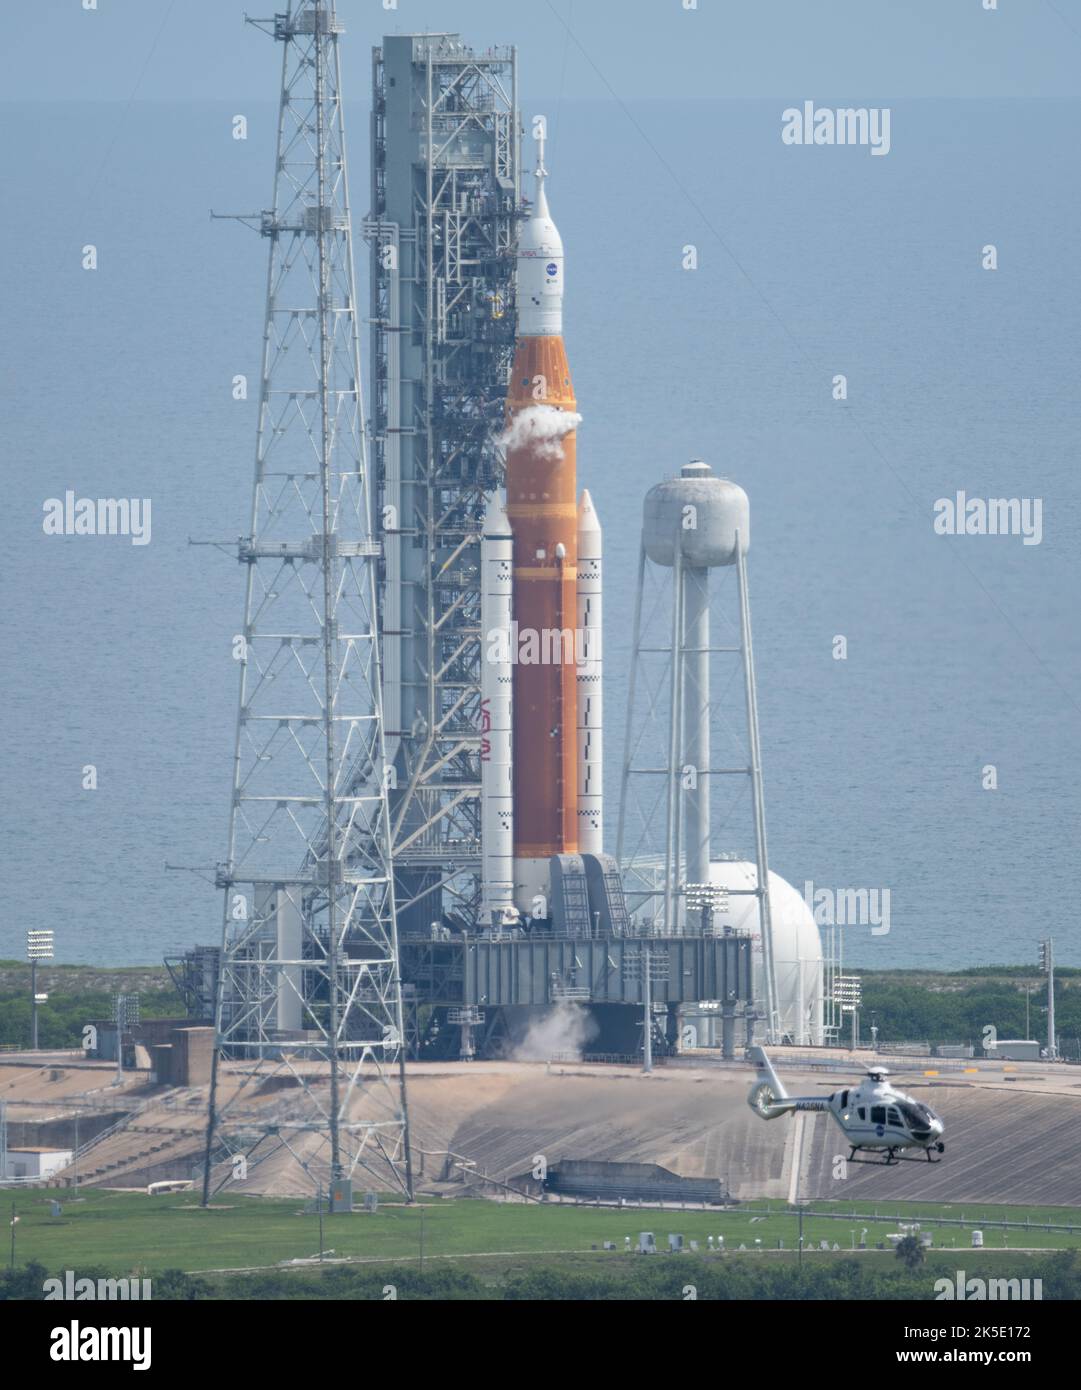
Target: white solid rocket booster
{"type": "Point", "coordinates": [496, 699]}
{"type": "Point", "coordinates": [590, 727]}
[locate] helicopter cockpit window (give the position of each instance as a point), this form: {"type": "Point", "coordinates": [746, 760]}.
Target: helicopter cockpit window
{"type": "Point", "coordinates": [878, 1114]}
{"type": "Point", "coordinates": [916, 1116]}
{"type": "Point", "coordinates": [894, 1117]}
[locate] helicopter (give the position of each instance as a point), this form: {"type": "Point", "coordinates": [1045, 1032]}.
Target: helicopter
{"type": "Point", "coordinates": [873, 1114]}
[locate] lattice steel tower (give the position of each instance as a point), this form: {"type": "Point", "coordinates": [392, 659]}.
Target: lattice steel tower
{"type": "Point", "coordinates": [443, 229]}
{"type": "Point", "coordinates": [309, 986]}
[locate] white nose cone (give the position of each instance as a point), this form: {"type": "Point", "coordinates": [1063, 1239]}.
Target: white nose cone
{"type": "Point", "coordinates": [540, 268]}
{"type": "Point", "coordinates": [588, 522]}
{"type": "Point", "coordinates": [496, 525]}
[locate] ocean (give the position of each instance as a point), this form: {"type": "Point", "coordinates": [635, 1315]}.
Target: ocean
{"type": "Point", "coordinates": [963, 652]}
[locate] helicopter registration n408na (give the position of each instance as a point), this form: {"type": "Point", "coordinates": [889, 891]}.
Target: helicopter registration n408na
{"type": "Point", "coordinates": [873, 1114]}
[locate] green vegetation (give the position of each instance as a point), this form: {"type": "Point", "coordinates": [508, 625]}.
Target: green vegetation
{"type": "Point", "coordinates": [73, 979]}
{"type": "Point", "coordinates": [593, 1277]}
{"type": "Point", "coordinates": [908, 1005]}
{"type": "Point", "coordinates": [78, 995]}
{"type": "Point", "coordinates": [910, 1252]}
{"type": "Point", "coordinates": [128, 1233]}
{"type": "Point", "coordinates": [956, 1007]}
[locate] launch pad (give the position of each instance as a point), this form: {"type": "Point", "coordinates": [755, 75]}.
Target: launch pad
{"type": "Point", "coordinates": [524, 977]}
{"type": "Point", "coordinates": [456, 898]}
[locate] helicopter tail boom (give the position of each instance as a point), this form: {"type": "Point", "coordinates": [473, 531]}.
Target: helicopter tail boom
{"type": "Point", "coordinates": [768, 1098]}
{"type": "Point", "coordinates": [763, 1063]}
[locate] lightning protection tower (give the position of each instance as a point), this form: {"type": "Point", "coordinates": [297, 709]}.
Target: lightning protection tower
{"type": "Point", "coordinates": [309, 988]}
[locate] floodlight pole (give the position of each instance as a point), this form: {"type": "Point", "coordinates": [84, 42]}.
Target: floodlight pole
{"type": "Point", "coordinates": [647, 990]}
{"type": "Point", "coordinates": [39, 946]}
{"type": "Point", "coordinates": [126, 1012]}
{"type": "Point", "coordinates": [119, 1040]}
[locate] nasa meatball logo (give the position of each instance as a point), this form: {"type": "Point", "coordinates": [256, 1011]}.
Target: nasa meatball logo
{"type": "Point", "coordinates": [552, 268]}
{"type": "Point", "coordinates": [880, 1130]}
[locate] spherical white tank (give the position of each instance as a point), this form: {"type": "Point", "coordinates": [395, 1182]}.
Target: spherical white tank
{"type": "Point", "coordinates": [704, 511]}
{"type": "Point", "coordinates": [797, 946]}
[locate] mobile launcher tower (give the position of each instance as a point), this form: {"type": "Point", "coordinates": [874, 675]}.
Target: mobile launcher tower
{"type": "Point", "coordinates": [445, 205]}
{"type": "Point", "coordinates": [490, 594]}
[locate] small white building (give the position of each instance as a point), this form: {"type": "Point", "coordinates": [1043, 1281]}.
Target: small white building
{"type": "Point", "coordinates": [36, 1162]}
{"type": "Point", "coordinates": [1014, 1050]}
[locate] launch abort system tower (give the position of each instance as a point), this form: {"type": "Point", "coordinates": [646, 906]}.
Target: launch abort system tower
{"type": "Point", "coordinates": [442, 229]}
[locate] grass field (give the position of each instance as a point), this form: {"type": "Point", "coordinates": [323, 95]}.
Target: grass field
{"type": "Point", "coordinates": [128, 1232]}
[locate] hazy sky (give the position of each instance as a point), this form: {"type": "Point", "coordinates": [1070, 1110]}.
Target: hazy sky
{"type": "Point", "coordinates": [796, 49]}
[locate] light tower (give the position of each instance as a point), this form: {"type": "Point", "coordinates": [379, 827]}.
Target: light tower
{"type": "Point", "coordinates": [309, 986]}
{"type": "Point", "coordinates": [1047, 965]}
{"type": "Point", "coordinates": [693, 526]}
{"type": "Point", "coordinates": [39, 946]}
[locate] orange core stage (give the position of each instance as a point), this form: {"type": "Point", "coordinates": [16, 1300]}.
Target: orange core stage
{"type": "Point", "coordinates": [542, 510]}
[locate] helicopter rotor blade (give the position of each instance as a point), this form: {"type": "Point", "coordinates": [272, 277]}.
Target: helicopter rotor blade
{"type": "Point", "coordinates": [913, 1085]}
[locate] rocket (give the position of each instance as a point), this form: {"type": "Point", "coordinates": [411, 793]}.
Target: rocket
{"type": "Point", "coordinates": [553, 655]}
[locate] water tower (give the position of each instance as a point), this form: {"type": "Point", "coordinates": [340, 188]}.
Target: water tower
{"type": "Point", "coordinates": [692, 526]}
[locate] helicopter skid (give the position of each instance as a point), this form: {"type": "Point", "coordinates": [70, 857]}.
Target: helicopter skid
{"type": "Point", "coordinates": [892, 1157]}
